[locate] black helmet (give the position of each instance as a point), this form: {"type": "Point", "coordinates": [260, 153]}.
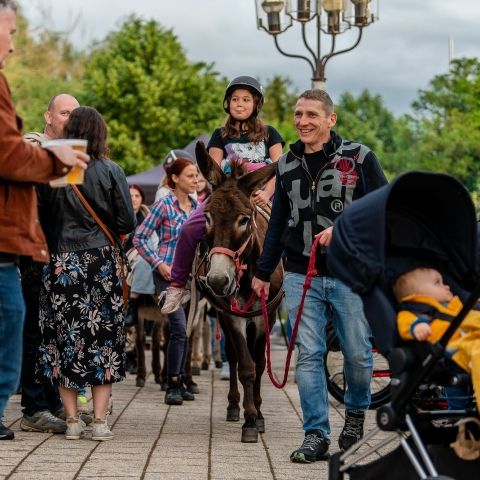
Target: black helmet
{"type": "Point", "coordinates": [172, 155]}
{"type": "Point", "coordinates": [247, 82]}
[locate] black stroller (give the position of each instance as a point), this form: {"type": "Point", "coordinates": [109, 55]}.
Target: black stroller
{"type": "Point", "coordinates": [418, 218]}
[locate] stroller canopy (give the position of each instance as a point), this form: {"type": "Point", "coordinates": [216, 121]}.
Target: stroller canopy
{"type": "Point", "coordinates": [419, 219]}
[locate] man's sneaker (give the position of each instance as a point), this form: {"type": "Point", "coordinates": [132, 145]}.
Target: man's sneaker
{"type": "Point", "coordinates": [353, 429]}
{"type": "Point", "coordinates": [172, 298]}
{"type": "Point", "coordinates": [314, 447]}
{"type": "Point", "coordinates": [44, 422]}
{"type": "Point", "coordinates": [101, 431]}
{"type": "Point", "coordinates": [75, 428]}
{"type": "Point", "coordinates": [6, 433]}
{"type": "Point", "coordinates": [225, 373]}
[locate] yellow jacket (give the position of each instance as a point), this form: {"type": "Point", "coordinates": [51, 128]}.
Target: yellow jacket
{"type": "Point", "coordinates": [461, 341]}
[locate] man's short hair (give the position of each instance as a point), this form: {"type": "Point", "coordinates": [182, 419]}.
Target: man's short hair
{"type": "Point", "coordinates": [321, 96]}
{"type": "Point", "coordinates": [8, 4]}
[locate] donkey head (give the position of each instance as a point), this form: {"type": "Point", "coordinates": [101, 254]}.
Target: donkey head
{"type": "Point", "coordinates": [230, 216]}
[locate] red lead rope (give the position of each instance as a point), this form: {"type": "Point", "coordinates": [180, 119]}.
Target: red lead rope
{"type": "Point", "coordinates": [311, 272]}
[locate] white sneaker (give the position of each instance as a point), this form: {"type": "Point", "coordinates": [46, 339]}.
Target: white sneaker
{"type": "Point", "coordinates": [101, 432]}
{"type": "Point", "coordinates": [173, 298]}
{"type": "Point", "coordinates": [75, 428]}
{"type": "Point", "coordinates": [225, 373]}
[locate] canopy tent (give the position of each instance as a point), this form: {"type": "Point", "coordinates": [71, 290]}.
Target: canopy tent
{"type": "Point", "coordinates": [150, 179]}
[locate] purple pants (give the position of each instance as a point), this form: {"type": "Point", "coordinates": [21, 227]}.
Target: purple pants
{"type": "Point", "coordinates": [190, 234]}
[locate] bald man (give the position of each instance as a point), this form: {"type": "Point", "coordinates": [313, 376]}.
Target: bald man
{"type": "Point", "coordinates": [58, 111]}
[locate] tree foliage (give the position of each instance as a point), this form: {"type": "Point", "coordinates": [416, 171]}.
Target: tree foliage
{"type": "Point", "coordinates": [152, 97]}
{"type": "Point", "coordinates": [447, 125]}
{"type": "Point", "coordinates": [367, 120]}
{"type": "Point", "coordinates": [280, 99]}
{"type": "Point", "coordinates": [44, 64]}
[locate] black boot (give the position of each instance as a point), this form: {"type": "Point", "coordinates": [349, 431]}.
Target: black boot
{"type": "Point", "coordinates": [186, 394]}
{"type": "Point", "coordinates": [131, 315]}
{"type": "Point", "coordinates": [173, 395]}
{"type": "Point", "coordinates": [353, 429]}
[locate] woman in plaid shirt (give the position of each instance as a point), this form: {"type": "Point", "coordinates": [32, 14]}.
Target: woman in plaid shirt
{"type": "Point", "coordinates": [165, 219]}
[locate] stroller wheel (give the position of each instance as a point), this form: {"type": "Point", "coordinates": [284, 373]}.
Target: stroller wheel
{"type": "Point", "coordinates": [334, 465]}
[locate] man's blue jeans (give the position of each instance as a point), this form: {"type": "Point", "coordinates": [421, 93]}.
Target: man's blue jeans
{"type": "Point", "coordinates": [328, 297]}
{"type": "Point", "coordinates": [12, 314]}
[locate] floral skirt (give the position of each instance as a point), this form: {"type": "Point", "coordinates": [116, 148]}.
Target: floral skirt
{"type": "Point", "coordinates": [81, 319]}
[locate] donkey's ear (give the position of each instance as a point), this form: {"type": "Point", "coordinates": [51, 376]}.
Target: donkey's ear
{"type": "Point", "coordinates": [208, 166]}
{"type": "Point", "coordinates": [257, 179]}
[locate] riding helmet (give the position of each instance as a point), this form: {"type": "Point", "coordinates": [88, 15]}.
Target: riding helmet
{"type": "Point", "coordinates": [249, 83]}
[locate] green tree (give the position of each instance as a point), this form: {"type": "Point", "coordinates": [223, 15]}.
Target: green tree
{"type": "Point", "coordinates": [44, 64]}
{"type": "Point", "coordinates": [280, 99]}
{"type": "Point", "coordinates": [152, 97]}
{"type": "Point", "coordinates": [447, 123]}
{"type": "Point", "coordinates": [367, 120]}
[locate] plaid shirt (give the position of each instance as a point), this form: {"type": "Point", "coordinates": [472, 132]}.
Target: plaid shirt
{"type": "Point", "coordinates": [165, 218]}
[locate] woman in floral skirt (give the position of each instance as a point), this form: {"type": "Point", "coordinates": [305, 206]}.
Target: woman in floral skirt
{"type": "Point", "coordinates": [81, 304]}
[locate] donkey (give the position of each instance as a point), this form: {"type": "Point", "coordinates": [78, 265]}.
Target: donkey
{"type": "Point", "coordinates": [234, 238]}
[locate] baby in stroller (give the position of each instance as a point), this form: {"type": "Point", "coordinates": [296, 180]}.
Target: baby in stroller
{"type": "Point", "coordinates": [425, 311]}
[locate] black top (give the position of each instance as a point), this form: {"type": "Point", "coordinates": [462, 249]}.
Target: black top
{"type": "Point", "coordinates": [67, 224]}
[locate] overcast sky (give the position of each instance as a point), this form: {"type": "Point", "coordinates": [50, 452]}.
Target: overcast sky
{"type": "Point", "coordinates": [397, 56]}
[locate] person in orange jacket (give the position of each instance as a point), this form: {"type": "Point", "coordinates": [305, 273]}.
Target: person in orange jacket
{"type": "Point", "coordinates": [21, 166]}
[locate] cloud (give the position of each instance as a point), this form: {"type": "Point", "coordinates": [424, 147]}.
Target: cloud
{"type": "Point", "coordinates": [398, 55]}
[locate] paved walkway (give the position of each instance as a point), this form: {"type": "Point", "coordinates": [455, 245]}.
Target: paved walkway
{"type": "Point", "coordinates": [157, 441]}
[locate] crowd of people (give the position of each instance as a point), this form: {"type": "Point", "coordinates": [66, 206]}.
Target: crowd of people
{"type": "Point", "coordinates": [68, 244]}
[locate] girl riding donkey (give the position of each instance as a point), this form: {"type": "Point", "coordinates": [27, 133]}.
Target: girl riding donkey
{"type": "Point", "coordinates": [243, 136]}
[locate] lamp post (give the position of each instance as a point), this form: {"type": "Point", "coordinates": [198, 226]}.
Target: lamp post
{"type": "Point", "coordinates": [331, 17]}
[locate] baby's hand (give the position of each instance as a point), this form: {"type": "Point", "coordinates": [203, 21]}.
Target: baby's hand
{"type": "Point", "coordinates": [422, 331]}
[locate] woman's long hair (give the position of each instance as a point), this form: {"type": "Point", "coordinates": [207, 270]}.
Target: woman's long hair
{"type": "Point", "coordinates": [88, 124]}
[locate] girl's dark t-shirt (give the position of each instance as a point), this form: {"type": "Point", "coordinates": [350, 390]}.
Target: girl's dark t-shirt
{"type": "Point", "coordinates": [244, 148]}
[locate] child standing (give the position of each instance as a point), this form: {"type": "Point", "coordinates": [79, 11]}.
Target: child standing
{"type": "Point", "coordinates": [244, 136]}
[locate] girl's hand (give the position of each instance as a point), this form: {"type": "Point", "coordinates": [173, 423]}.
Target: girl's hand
{"type": "Point", "coordinates": [260, 198]}
{"type": "Point", "coordinates": [165, 271]}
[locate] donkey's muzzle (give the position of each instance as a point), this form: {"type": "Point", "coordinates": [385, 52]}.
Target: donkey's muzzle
{"type": "Point", "coordinates": [219, 284]}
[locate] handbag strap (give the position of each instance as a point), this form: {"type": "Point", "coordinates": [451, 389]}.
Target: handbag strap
{"type": "Point", "coordinates": [108, 234]}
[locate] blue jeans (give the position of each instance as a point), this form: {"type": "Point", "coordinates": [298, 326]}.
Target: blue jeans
{"type": "Point", "coordinates": [177, 348]}
{"type": "Point", "coordinates": [12, 316]}
{"type": "Point", "coordinates": [328, 297]}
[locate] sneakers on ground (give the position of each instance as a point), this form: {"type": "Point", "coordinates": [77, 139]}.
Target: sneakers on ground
{"type": "Point", "coordinates": [101, 431]}
{"type": "Point", "coordinates": [75, 428]}
{"type": "Point", "coordinates": [186, 394]}
{"type": "Point", "coordinates": [44, 422]}
{"type": "Point", "coordinates": [314, 447]}
{"type": "Point", "coordinates": [173, 298]}
{"type": "Point", "coordinates": [225, 373]}
{"type": "Point", "coordinates": [6, 433]}
{"type": "Point", "coordinates": [353, 429]}
{"type": "Point", "coordinates": [173, 395]}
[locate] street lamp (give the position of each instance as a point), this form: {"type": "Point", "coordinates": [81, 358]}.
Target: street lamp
{"type": "Point", "coordinates": [331, 17]}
